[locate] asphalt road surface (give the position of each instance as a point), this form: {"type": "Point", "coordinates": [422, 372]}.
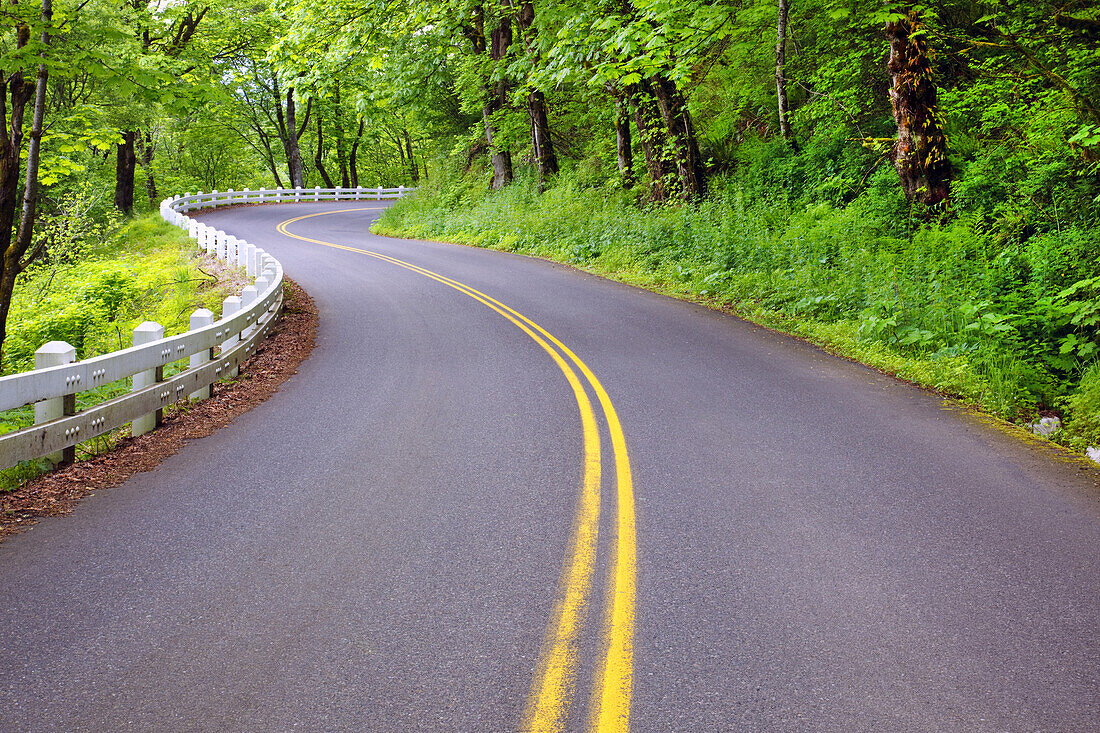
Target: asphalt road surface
{"type": "Point", "coordinates": [505, 495]}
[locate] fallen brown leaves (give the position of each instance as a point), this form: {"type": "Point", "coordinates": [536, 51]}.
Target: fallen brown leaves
{"type": "Point", "coordinates": [277, 358]}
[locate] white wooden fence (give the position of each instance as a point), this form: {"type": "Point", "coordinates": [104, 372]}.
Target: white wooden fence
{"type": "Point", "coordinates": [215, 349]}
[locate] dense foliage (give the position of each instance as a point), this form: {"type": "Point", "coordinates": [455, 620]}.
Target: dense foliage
{"type": "Point", "coordinates": [916, 184]}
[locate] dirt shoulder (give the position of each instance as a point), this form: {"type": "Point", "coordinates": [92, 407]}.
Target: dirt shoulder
{"type": "Point", "coordinates": [275, 361]}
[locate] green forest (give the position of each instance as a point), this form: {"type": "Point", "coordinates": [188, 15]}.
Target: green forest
{"type": "Point", "coordinates": [916, 186]}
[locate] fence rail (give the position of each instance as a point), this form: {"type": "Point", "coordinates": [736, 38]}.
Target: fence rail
{"type": "Point", "coordinates": [245, 322]}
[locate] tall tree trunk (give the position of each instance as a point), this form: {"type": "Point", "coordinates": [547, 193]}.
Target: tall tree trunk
{"type": "Point", "coordinates": [147, 152]}
{"type": "Point", "coordinates": [319, 157]}
{"type": "Point", "coordinates": [500, 38]}
{"type": "Point", "coordinates": [341, 151]}
{"type": "Point", "coordinates": [920, 152]}
{"type": "Point", "coordinates": [354, 161]}
{"type": "Point", "coordinates": [781, 76]}
{"type": "Point", "coordinates": [623, 142]}
{"type": "Point", "coordinates": [125, 164]}
{"type": "Point", "coordinates": [652, 138]}
{"type": "Point", "coordinates": [16, 253]}
{"type": "Point", "coordinates": [290, 132]}
{"type": "Point", "coordinates": [543, 147]}
{"type": "Point", "coordinates": [414, 170]}
{"type": "Point", "coordinates": [681, 132]}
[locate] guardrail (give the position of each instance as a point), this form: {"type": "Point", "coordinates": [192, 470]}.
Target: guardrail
{"type": "Point", "coordinates": [215, 349]}
{"type": "Point", "coordinates": [290, 195]}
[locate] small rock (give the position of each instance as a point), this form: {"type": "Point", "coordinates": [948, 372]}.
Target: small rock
{"type": "Point", "coordinates": [1046, 427]}
{"type": "Point", "coordinates": [1094, 453]}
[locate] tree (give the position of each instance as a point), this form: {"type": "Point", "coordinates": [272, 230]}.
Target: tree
{"type": "Point", "coordinates": [781, 75]}
{"type": "Point", "coordinates": [920, 151]}
{"type": "Point", "coordinates": [16, 239]}
{"type": "Point", "coordinates": [168, 44]}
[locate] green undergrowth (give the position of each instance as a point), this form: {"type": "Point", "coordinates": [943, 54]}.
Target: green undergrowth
{"type": "Point", "coordinates": [1007, 324]}
{"type": "Point", "coordinates": [92, 294]}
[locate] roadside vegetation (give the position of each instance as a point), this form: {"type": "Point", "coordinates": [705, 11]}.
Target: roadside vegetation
{"type": "Point", "coordinates": [915, 185]}
{"type": "Point", "coordinates": [942, 305]}
{"type": "Point", "coordinates": [107, 278]}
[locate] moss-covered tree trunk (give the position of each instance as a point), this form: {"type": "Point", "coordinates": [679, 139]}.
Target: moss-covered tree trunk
{"type": "Point", "coordinates": [623, 148]}
{"type": "Point", "coordinates": [652, 138]}
{"type": "Point", "coordinates": [681, 132]}
{"type": "Point", "coordinates": [781, 75]}
{"type": "Point", "coordinates": [125, 165]}
{"type": "Point", "coordinates": [148, 150]}
{"type": "Point", "coordinates": [920, 151]}
{"type": "Point", "coordinates": [500, 38]}
{"type": "Point", "coordinates": [546, 160]}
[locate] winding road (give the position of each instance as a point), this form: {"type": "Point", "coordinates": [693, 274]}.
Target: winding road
{"type": "Point", "coordinates": [505, 495]}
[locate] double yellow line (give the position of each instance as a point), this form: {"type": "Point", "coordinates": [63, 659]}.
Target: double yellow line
{"type": "Point", "coordinates": [552, 689]}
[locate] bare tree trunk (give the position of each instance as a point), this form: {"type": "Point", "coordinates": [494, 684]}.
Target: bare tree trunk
{"type": "Point", "coordinates": [781, 76]}
{"type": "Point", "coordinates": [125, 164]}
{"type": "Point", "coordinates": [652, 138]}
{"type": "Point", "coordinates": [290, 132]}
{"type": "Point", "coordinates": [341, 148]}
{"type": "Point", "coordinates": [622, 142]}
{"type": "Point", "coordinates": [500, 38]}
{"type": "Point", "coordinates": [920, 152]}
{"type": "Point", "coordinates": [354, 162]}
{"type": "Point", "coordinates": [681, 132]}
{"type": "Point", "coordinates": [543, 147]}
{"type": "Point", "coordinates": [413, 168]}
{"type": "Point", "coordinates": [148, 149]}
{"type": "Point", "coordinates": [319, 157]}
{"type": "Point", "coordinates": [17, 254]}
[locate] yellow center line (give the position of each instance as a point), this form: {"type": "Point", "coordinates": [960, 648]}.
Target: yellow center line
{"type": "Point", "coordinates": [552, 689]}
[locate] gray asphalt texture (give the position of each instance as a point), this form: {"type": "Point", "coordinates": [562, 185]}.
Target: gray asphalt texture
{"type": "Point", "coordinates": [378, 546]}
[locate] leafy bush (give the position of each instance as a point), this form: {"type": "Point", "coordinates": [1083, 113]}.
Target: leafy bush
{"type": "Point", "coordinates": [1083, 406]}
{"type": "Point", "coordinates": [140, 271]}
{"type": "Point", "coordinates": [797, 242]}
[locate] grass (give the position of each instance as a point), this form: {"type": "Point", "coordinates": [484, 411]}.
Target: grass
{"type": "Point", "coordinates": [93, 297]}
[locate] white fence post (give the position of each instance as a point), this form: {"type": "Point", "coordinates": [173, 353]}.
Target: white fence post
{"type": "Point", "coordinates": [250, 259]}
{"type": "Point", "coordinates": [201, 317]}
{"type": "Point", "coordinates": [262, 282]}
{"type": "Point", "coordinates": [231, 306]}
{"type": "Point", "coordinates": [248, 297]}
{"type": "Point", "coordinates": [56, 353]}
{"type": "Point", "coordinates": [242, 254]}
{"type": "Point", "coordinates": [401, 191]}
{"type": "Point", "coordinates": [143, 334]}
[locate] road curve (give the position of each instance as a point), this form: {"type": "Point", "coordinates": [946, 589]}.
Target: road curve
{"type": "Point", "coordinates": [436, 525]}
